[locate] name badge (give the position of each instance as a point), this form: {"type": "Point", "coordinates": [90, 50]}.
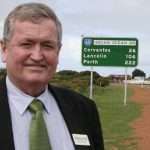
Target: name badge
{"type": "Point", "coordinates": [81, 139]}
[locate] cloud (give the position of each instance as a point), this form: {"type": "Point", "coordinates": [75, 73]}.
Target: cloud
{"type": "Point", "coordinates": [111, 19]}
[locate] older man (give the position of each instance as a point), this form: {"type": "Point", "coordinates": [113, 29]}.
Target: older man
{"type": "Point", "coordinates": [35, 115]}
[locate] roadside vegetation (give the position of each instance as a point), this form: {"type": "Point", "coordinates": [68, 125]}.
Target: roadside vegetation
{"type": "Point", "coordinates": [78, 81]}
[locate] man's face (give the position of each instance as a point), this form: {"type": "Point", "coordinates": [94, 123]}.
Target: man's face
{"type": "Point", "coordinates": [31, 56]}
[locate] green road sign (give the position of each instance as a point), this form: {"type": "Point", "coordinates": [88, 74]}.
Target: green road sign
{"type": "Point", "coordinates": [109, 51]}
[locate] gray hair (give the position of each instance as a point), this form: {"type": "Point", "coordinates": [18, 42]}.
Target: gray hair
{"type": "Point", "coordinates": [34, 12]}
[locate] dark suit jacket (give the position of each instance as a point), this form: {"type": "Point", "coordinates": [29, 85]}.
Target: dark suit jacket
{"type": "Point", "coordinates": [79, 112]}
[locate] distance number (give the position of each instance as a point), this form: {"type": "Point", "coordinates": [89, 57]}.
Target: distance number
{"type": "Point", "coordinates": [129, 62]}
{"type": "Point", "coordinates": [132, 50]}
{"type": "Point", "coordinates": [130, 56]}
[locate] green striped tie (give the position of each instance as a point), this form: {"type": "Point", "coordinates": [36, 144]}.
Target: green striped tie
{"type": "Point", "coordinates": [39, 139]}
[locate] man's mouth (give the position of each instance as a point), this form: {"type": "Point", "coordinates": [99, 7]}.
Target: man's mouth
{"type": "Point", "coordinates": [34, 66]}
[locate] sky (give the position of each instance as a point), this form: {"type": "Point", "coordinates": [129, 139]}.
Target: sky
{"type": "Point", "coordinates": [100, 18]}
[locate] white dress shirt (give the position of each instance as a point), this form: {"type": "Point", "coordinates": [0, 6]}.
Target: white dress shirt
{"type": "Point", "coordinates": [58, 132]}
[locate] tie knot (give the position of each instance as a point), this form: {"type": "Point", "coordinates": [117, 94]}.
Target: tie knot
{"type": "Point", "coordinates": [36, 105]}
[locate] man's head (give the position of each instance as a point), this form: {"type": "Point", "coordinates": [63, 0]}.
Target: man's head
{"type": "Point", "coordinates": [34, 12]}
{"type": "Point", "coordinates": [30, 46]}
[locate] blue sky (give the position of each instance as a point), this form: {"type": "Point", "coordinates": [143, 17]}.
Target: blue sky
{"type": "Point", "coordinates": [104, 18]}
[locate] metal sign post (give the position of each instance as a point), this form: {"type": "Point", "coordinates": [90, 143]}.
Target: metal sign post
{"type": "Point", "coordinates": [125, 88]}
{"type": "Point", "coordinates": [91, 84]}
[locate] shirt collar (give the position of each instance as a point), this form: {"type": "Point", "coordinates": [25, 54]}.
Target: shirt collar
{"type": "Point", "coordinates": [21, 100]}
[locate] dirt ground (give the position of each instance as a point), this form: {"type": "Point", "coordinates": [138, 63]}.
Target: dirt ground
{"type": "Point", "coordinates": [142, 124]}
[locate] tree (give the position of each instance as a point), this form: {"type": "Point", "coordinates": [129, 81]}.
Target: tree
{"type": "Point", "coordinates": [138, 73]}
{"type": "Point", "coordinates": [67, 73]}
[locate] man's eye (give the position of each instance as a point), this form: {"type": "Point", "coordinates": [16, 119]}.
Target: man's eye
{"type": "Point", "coordinates": [48, 46]}
{"type": "Point", "coordinates": [26, 44]}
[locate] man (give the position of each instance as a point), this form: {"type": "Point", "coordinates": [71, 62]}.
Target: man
{"type": "Point", "coordinates": [30, 48]}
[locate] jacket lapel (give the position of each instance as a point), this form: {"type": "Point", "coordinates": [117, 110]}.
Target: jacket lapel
{"type": "Point", "coordinates": [6, 134]}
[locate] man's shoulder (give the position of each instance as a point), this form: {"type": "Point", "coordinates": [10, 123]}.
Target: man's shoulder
{"type": "Point", "coordinates": [71, 100]}
{"type": "Point", "coordinates": [68, 94]}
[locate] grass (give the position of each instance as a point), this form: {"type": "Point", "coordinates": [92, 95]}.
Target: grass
{"type": "Point", "coordinates": [115, 117]}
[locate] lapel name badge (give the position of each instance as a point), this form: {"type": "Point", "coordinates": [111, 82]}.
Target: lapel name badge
{"type": "Point", "coordinates": [81, 139]}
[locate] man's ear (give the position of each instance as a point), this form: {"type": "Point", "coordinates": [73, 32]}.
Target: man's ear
{"type": "Point", "coordinates": [1, 40]}
{"type": "Point", "coordinates": [59, 48]}
{"type": "Point", "coordinates": [3, 50]}
{"type": "Point", "coordinates": [60, 45]}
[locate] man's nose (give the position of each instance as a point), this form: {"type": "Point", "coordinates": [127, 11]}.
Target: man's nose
{"type": "Point", "coordinates": [37, 54]}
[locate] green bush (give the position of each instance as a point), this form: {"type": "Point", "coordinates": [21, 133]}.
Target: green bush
{"type": "Point", "coordinates": [78, 81]}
